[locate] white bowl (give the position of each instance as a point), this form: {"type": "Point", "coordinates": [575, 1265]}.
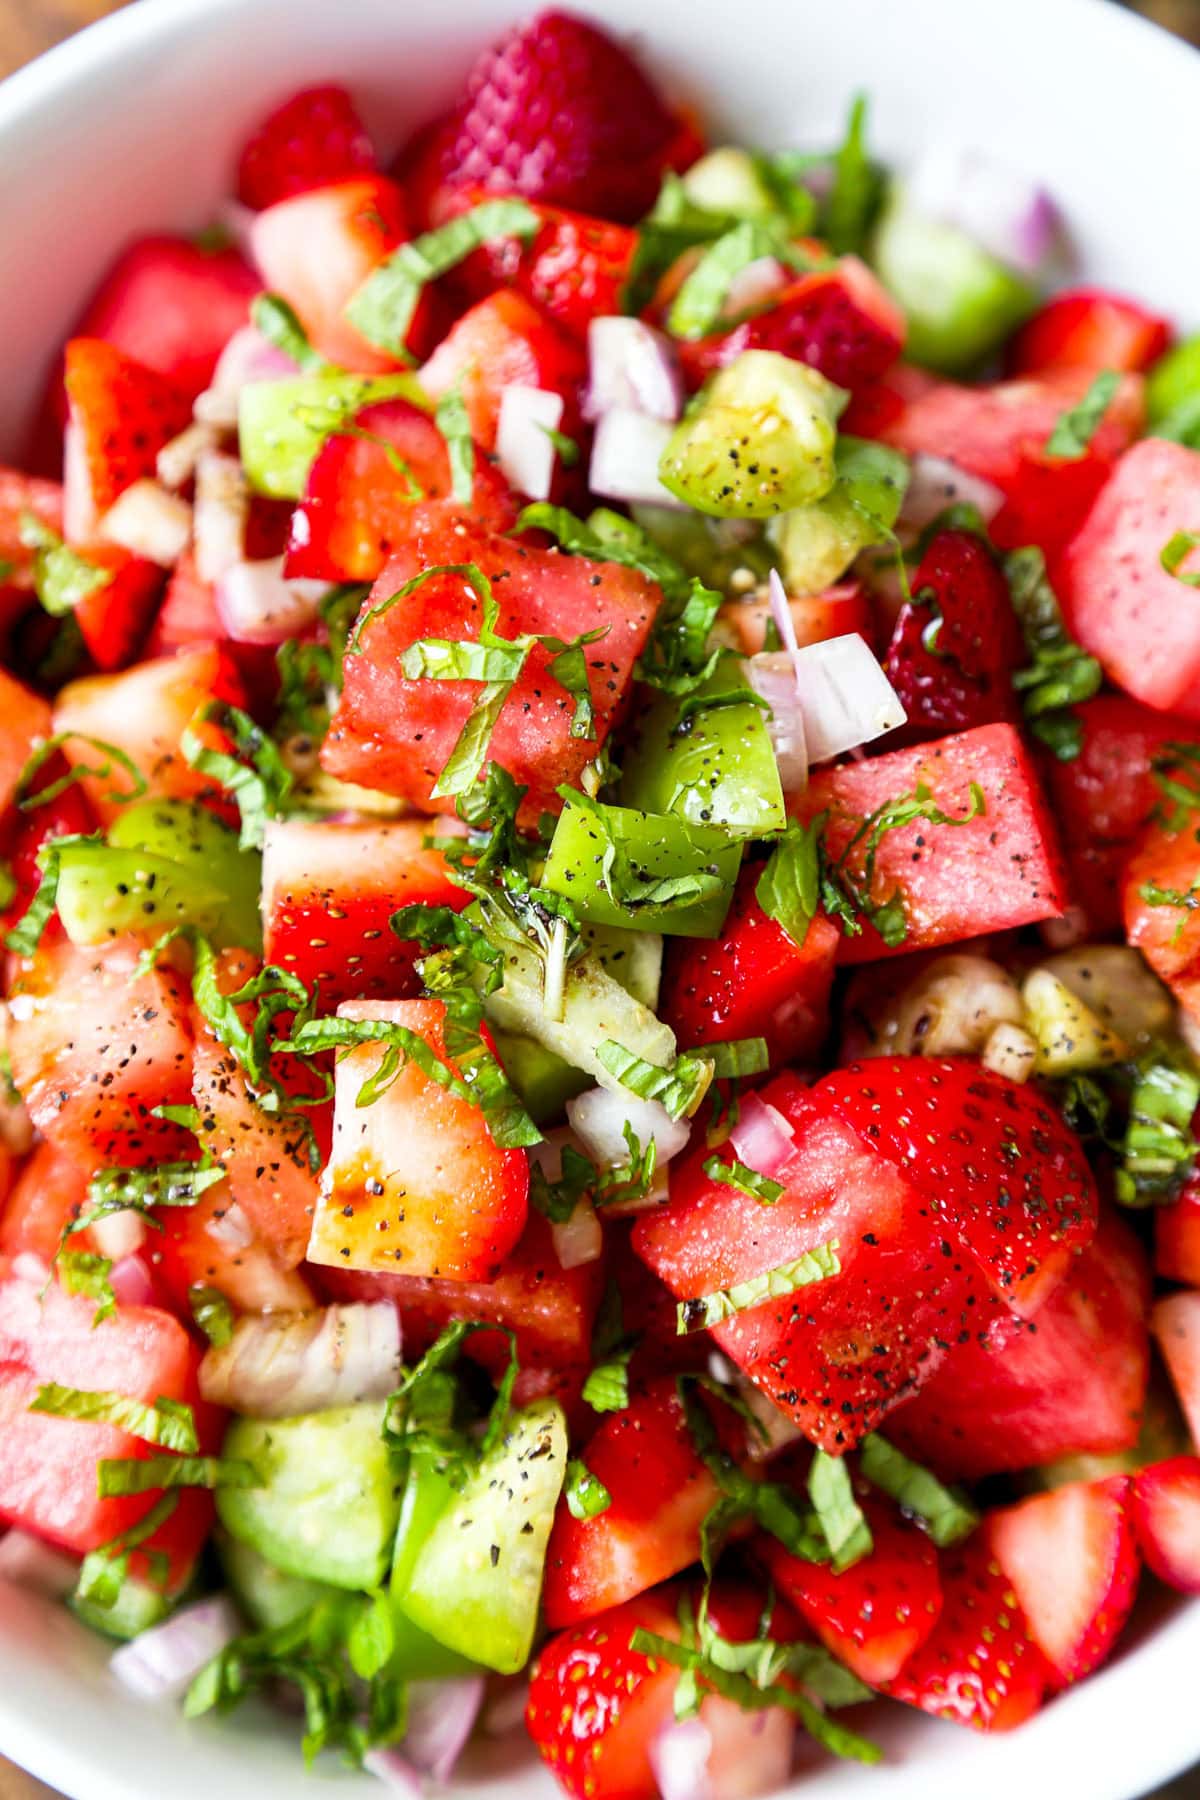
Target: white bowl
{"type": "Point", "coordinates": [131, 126]}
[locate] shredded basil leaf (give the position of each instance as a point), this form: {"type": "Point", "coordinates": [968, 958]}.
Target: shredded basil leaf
{"type": "Point", "coordinates": [1175, 553]}
{"type": "Point", "coordinates": [82, 1272]}
{"type": "Point", "coordinates": [818, 1264]}
{"type": "Point", "coordinates": [733, 1058]}
{"type": "Point", "coordinates": [310, 673]}
{"type": "Point", "coordinates": [585, 1494]}
{"type": "Point", "coordinates": [119, 1476]}
{"type": "Point", "coordinates": [212, 1313]}
{"type": "Point", "coordinates": [607, 1386]}
{"type": "Point", "coordinates": [103, 1571]}
{"type": "Point", "coordinates": [25, 936]}
{"type": "Point", "coordinates": [168, 1423]}
{"type": "Point", "coordinates": [261, 784]}
{"type": "Point", "coordinates": [789, 888]}
{"type": "Point", "coordinates": [454, 425]}
{"type": "Point", "coordinates": [1159, 1148]}
{"type": "Point", "coordinates": [696, 308]}
{"type": "Point", "coordinates": [1060, 674]}
{"type": "Point", "coordinates": [946, 1514]}
{"type": "Point", "coordinates": [1075, 429]}
{"type": "Point", "coordinates": [557, 1200]}
{"type": "Point", "coordinates": [745, 1179]}
{"type": "Point", "coordinates": [832, 1494]}
{"type": "Point", "coordinates": [680, 1088]}
{"type": "Point", "coordinates": [856, 190]}
{"type": "Point", "coordinates": [566, 449]}
{"type": "Point", "coordinates": [62, 578]}
{"type": "Point", "coordinates": [27, 799]}
{"type": "Point", "coordinates": [275, 320]}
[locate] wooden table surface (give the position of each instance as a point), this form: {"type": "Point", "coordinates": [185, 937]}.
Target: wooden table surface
{"type": "Point", "coordinates": [29, 26]}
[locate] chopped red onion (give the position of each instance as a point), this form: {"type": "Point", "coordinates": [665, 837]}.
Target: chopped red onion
{"type": "Point", "coordinates": [248, 356]}
{"type": "Point", "coordinates": [258, 606]}
{"type": "Point", "coordinates": [579, 1239]}
{"type": "Point", "coordinates": [220, 516]}
{"type": "Point", "coordinates": [441, 1717]}
{"type": "Point", "coordinates": [679, 1756]}
{"type": "Point", "coordinates": [754, 286]}
{"type": "Point", "coordinates": [279, 1365]}
{"type": "Point", "coordinates": [504, 1713]}
{"type": "Point", "coordinates": [524, 448]}
{"type": "Point", "coordinates": [846, 697]}
{"type": "Point", "coordinates": [159, 1664]}
{"type": "Point", "coordinates": [79, 503]}
{"type": "Point", "coordinates": [148, 521]}
{"type": "Point", "coordinates": [772, 676]}
{"type": "Point", "coordinates": [781, 612]}
{"type": "Point", "coordinates": [1008, 213]}
{"type": "Point", "coordinates": [393, 1768]}
{"type": "Point", "coordinates": [762, 1138]}
{"type": "Point", "coordinates": [934, 483]}
{"type": "Point", "coordinates": [626, 451]}
{"type": "Point", "coordinates": [27, 1562]}
{"type": "Point", "coordinates": [631, 366]}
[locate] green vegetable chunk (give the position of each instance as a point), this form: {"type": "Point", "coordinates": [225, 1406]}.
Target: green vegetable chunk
{"type": "Point", "coordinates": [328, 1504]}
{"type": "Point", "coordinates": [477, 1579]}
{"type": "Point", "coordinates": [620, 866]}
{"type": "Point", "coordinates": [282, 424]}
{"type": "Point", "coordinates": [204, 848]}
{"type": "Point", "coordinates": [268, 1597]}
{"type": "Point", "coordinates": [759, 440]}
{"type": "Point", "coordinates": [1173, 394]}
{"type": "Point", "coordinates": [428, 1491]}
{"type": "Point", "coordinates": [138, 1605]}
{"type": "Point", "coordinates": [817, 543]}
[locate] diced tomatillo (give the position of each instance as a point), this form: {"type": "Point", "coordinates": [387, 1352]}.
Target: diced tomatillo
{"type": "Point", "coordinates": [619, 866]}
{"type": "Point", "coordinates": [282, 424]}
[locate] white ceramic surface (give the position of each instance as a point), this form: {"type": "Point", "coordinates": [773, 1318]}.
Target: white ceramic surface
{"type": "Point", "coordinates": [131, 126]}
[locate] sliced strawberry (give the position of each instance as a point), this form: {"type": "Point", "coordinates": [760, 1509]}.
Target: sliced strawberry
{"type": "Point", "coordinates": [504, 341]}
{"type": "Point", "coordinates": [660, 1492]}
{"type": "Point", "coordinates": [361, 504]}
{"type": "Point", "coordinates": [1166, 931]}
{"type": "Point", "coordinates": [212, 1244]}
{"type": "Point", "coordinates": [313, 139]}
{"type": "Point", "coordinates": [67, 814]}
{"type": "Point", "coordinates": [875, 1615]}
{"type": "Point", "coordinates": [48, 1195]}
{"type": "Point", "coordinates": [20, 494]}
{"type": "Point", "coordinates": [956, 644]}
{"type": "Point", "coordinates": [752, 981]}
{"type": "Point", "coordinates": [1005, 1174]}
{"type": "Point", "coordinates": [1166, 1518]}
{"type": "Point", "coordinates": [1177, 1236]}
{"type": "Point", "coordinates": [328, 892]}
{"type": "Point", "coordinates": [1073, 1563]}
{"type": "Point", "coordinates": [113, 619]}
{"type": "Point", "coordinates": [1175, 1323]}
{"type": "Point", "coordinates": [1087, 328]}
{"type": "Point", "coordinates": [1047, 498]}
{"type": "Point", "coordinates": [840, 322]}
{"type": "Point", "coordinates": [558, 112]}
{"type": "Point", "coordinates": [1072, 1381]}
{"type": "Point", "coordinates": [24, 719]}
{"type": "Point", "coordinates": [124, 413]}
{"type": "Point", "coordinates": [980, 1667]}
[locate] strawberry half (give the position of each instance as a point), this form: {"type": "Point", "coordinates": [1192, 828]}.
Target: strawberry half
{"type": "Point", "coordinates": [1072, 1559]}
{"type": "Point", "coordinates": [313, 139]}
{"type": "Point", "coordinates": [1166, 1518]}
{"type": "Point", "coordinates": [124, 414]}
{"type": "Point", "coordinates": [558, 112]}
{"type": "Point", "coordinates": [956, 642]}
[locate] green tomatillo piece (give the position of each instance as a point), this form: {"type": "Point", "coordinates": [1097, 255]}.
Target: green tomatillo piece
{"type": "Point", "coordinates": [282, 424]}
{"type": "Point", "coordinates": [620, 866]}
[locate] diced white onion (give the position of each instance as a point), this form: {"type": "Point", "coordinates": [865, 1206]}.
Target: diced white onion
{"type": "Point", "coordinates": [845, 697]}
{"type": "Point", "coordinates": [755, 285]}
{"type": "Point", "coordinates": [257, 605]}
{"type": "Point", "coordinates": [524, 449]}
{"type": "Point", "coordinates": [16, 1126]}
{"type": "Point", "coordinates": [289, 1363]}
{"type": "Point", "coordinates": [395, 1771]}
{"type": "Point", "coordinates": [160, 1664]}
{"type": "Point", "coordinates": [132, 1282]}
{"type": "Point", "coordinates": [222, 510]}
{"type": "Point", "coordinates": [233, 1227]}
{"type": "Point", "coordinates": [632, 366]}
{"type": "Point", "coordinates": [579, 1239]}
{"type": "Point", "coordinates": [598, 1117]}
{"type": "Point", "coordinates": [762, 1138]}
{"type": "Point", "coordinates": [772, 676]}
{"type": "Point", "coordinates": [1010, 1051]}
{"type": "Point", "coordinates": [148, 521]}
{"type": "Point", "coordinates": [934, 483]}
{"type": "Point", "coordinates": [79, 503]}
{"type": "Point", "coordinates": [248, 356]}
{"type": "Point", "coordinates": [176, 462]}
{"type": "Point", "coordinates": [441, 1717]}
{"type": "Point", "coordinates": [1008, 213]}
{"type": "Point", "coordinates": [679, 1756]}
{"type": "Point", "coordinates": [27, 1562]}
{"type": "Point", "coordinates": [626, 451]}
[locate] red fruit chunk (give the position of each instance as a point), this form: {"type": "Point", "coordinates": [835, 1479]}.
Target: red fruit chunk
{"type": "Point", "coordinates": [24, 718]}
{"type": "Point", "coordinates": [1072, 1381]}
{"type": "Point", "coordinates": [173, 306]}
{"type": "Point", "coordinates": [1141, 622]}
{"type": "Point", "coordinates": [876, 1614]}
{"type": "Point", "coordinates": [1047, 498]}
{"type": "Point", "coordinates": [1073, 1563]}
{"type": "Point", "coordinates": [551, 1309]}
{"type": "Point", "coordinates": [752, 981]}
{"type": "Point", "coordinates": [358, 509]}
{"type": "Point", "coordinates": [1166, 1518]}
{"type": "Point", "coordinates": [957, 644]}
{"type": "Point", "coordinates": [317, 249]}
{"type": "Point", "coordinates": [1087, 328]}
{"type": "Point", "coordinates": [835, 612]}
{"type": "Point", "coordinates": [981, 1667]}
{"type": "Point", "coordinates": [661, 1493]}
{"type": "Point", "coordinates": [837, 1355]}
{"type": "Point", "coordinates": [1158, 902]}
{"type": "Point", "coordinates": [398, 734]}
{"type": "Point", "coordinates": [840, 322]}
{"type": "Point", "coordinates": [211, 1245]}
{"type": "Point", "coordinates": [595, 1705]}
{"type": "Point", "coordinates": [124, 413]}
{"type": "Point", "coordinates": [19, 494]}
{"type": "Point", "coordinates": [1003, 1172]}
{"type": "Point", "coordinates": [1177, 1236]}
{"type": "Point", "coordinates": [113, 618]}
{"type": "Point", "coordinates": [95, 1049]}
{"type": "Point", "coordinates": [328, 892]}
{"type": "Point", "coordinates": [49, 1192]}
{"type": "Point", "coordinates": [1175, 1323]}
{"type": "Point", "coordinates": [313, 139]}
{"type": "Point", "coordinates": [504, 341]}
{"type": "Point", "coordinates": [1001, 869]}
{"type": "Point", "coordinates": [64, 816]}
{"type": "Point", "coordinates": [558, 112]}
{"type": "Point", "coordinates": [48, 1470]}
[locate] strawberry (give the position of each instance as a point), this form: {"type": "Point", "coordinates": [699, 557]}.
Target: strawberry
{"type": "Point", "coordinates": [1073, 1563]}
{"type": "Point", "coordinates": [1175, 1322]}
{"type": "Point", "coordinates": [1177, 1236]}
{"type": "Point", "coordinates": [504, 341]}
{"type": "Point", "coordinates": [1166, 933]}
{"type": "Point", "coordinates": [1087, 328]}
{"type": "Point", "coordinates": [24, 720]}
{"type": "Point", "coordinates": [113, 618]}
{"type": "Point", "coordinates": [124, 413]}
{"type": "Point", "coordinates": [312, 139]}
{"type": "Point", "coordinates": [20, 494]}
{"type": "Point", "coordinates": [1007, 1176]}
{"type": "Point", "coordinates": [839, 321]}
{"type": "Point", "coordinates": [980, 1667]}
{"type": "Point", "coordinates": [876, 1614]}
{"type": "Point", "coordinates": [1166, 1518]}
{"type": "Point", "coordinates": [956, 644]}
{"type": "Point", "coordinates": [558, 112]}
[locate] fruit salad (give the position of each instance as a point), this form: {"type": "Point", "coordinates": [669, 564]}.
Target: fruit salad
{"type": "Point", "coordinates": [600, 782]}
